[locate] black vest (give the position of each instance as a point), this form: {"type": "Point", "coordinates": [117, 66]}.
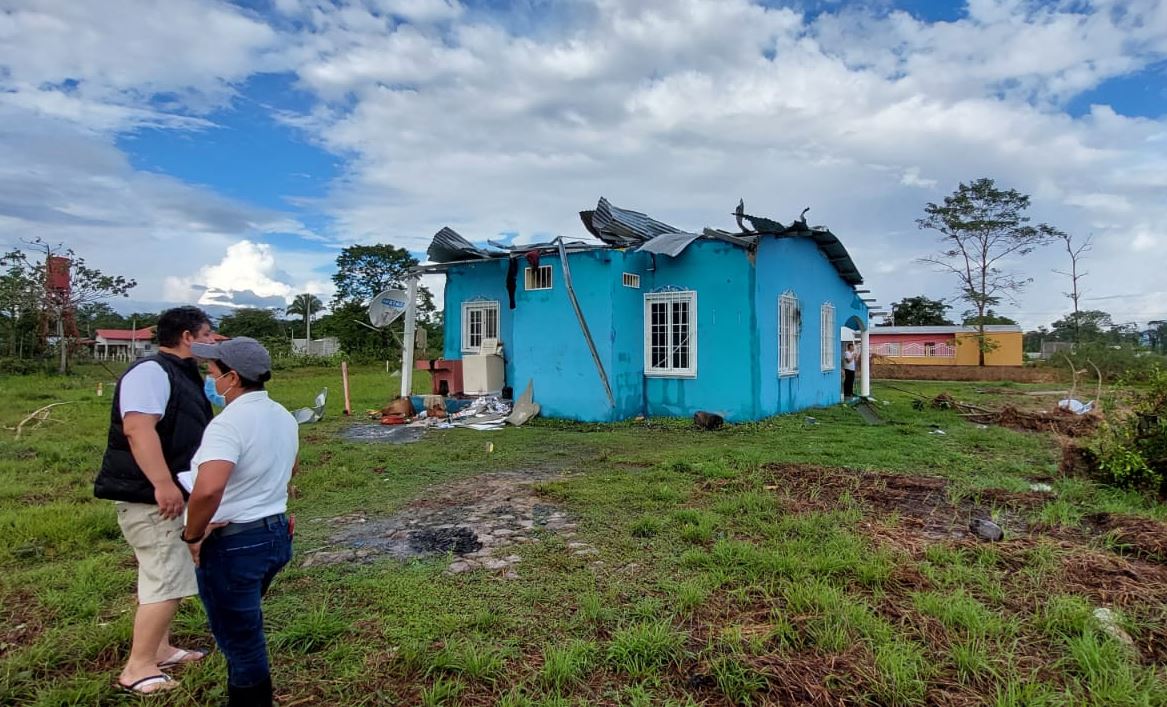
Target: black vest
{"type": "Point", "coordinates": [181, 430]}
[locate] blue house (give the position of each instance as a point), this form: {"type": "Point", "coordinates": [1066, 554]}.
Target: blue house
{"type": "Point", "coordinates": [746, 324]}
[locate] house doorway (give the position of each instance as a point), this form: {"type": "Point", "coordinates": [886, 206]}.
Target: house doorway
{"type": "Point", "coordinates": [855, 331]}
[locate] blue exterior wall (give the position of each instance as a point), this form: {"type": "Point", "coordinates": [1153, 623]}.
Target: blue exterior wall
{"type": "Point", "coordinates": [797, 265]}
{"type": "Point", "coordinates": [737, 330]}
{"type": "Point", "coordinates": [626, 369]}
{"type": "Point", "coordinates": [726, 382]}
{"type": "Point", "coordinates": [482, 280]}
{"type": "Point", "coordinates": [542, 340]}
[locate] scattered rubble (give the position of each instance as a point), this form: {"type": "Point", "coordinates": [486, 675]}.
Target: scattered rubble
{"type": "Point", "coordinates": [479, 521]}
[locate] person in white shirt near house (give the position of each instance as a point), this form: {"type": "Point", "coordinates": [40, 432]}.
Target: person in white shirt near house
{"type": "Point", "coordinates": [237, 527]}
{"type": "Point", "coordinates": [849, 371]}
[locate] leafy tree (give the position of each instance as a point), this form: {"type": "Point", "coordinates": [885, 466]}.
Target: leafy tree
{"type": "Point", "coordinates": [1031, 340]}
{"type": "Point", "coordinates": [305, 305]}
{"type": "Point", "coordinates": [980, 227]}
{"type": "Point", "coordinates": [1090, 325]}
{"type": "Point", "coordinates": [60, 306]}
{"type": "Point", "coordinates": [918, 311]}
{"type": "Point", "coordinates": [1156, 335]}
{"type": "Point", "coordinates": [989, 319]}
{"type": "Point", "coordinates": [99, 315]}
{"type": "Point", "coordinates": [308, 307]}
{"type": "Point", "coordinates": [256, 323]}
{"type": "Point", "coordinates": [19, 301]}
{"type": "Point", "coordinates": [363, 271]}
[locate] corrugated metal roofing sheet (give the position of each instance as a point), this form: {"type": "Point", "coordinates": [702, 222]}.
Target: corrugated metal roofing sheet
{"type": "Point", "coordinates": [670, 244]}
{"type": "Point", "coordinates": [622, 227]}
{"type": "Point", "coordinates": [449, 246]}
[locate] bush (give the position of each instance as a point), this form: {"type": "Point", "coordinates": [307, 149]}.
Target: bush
{"type": "Point", "coordinates": [26, 366]}
{"type": "Point", "coordinates": [1115, 364]}
{"type": "Point", "coordinates": [1131, 448]}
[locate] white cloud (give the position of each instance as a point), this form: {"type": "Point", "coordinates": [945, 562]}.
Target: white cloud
{"type": "Point", "coordinates": [449, 116]}
{"type": "Point", "coordinates": [678, 108]}
{"type": "Point", "coordinates": [248, 275]}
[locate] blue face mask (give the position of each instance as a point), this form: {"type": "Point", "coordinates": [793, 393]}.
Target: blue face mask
{"type": "Point", "coordinates": [212, 394]}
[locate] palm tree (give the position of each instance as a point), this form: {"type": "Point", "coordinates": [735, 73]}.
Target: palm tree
{"type": "Point", "coordinates": [307, 306]}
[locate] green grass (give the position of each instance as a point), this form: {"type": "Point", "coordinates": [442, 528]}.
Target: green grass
{"type": "Point", "coordinates": [708, 567]}
{"type": "Point", "coordinates": [643, 649]}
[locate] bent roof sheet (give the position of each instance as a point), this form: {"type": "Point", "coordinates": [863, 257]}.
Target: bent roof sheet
{"type": "Point", "coordinates": [622, 227]}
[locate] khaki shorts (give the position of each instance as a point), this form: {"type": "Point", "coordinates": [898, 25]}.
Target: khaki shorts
{"type": "Point", "coordinates": [165, 570]}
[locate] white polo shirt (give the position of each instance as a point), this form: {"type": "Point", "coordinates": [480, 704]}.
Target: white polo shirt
{"type": "Point", "coordinates": [262, 439]}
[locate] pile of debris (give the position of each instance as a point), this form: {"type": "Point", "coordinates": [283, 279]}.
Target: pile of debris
{"type": "Point", "coordinates": [1067, 420]}
{"type": "Point", "coordinates": [487, 412]}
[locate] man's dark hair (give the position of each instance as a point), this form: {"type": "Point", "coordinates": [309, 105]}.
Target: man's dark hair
{"type": "Point", "coordinates": [174, 322]}
{"type": "Point", "coordinates": [245, 383]}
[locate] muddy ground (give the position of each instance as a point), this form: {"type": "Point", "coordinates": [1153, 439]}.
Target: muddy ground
{"type": "Point", "coordinates": [478, 520]}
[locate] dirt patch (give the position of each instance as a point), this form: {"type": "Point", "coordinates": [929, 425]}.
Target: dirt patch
{"type": "Point", "coordinates": [1141, 537]}
{"type": "Point", "coordinates": [478, 520]}
{"type": "Point", "coordinates": [918, 504]}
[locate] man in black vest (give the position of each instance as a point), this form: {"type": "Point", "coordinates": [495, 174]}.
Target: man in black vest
{"type": "Point", "coordinates": [157, 422]}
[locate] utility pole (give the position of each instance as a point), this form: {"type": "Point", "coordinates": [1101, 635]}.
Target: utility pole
{"type": "Point", "coordinates": [308, 326]}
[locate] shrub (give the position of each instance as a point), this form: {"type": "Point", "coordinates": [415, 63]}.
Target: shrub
{"type": "Point", "coordinates": [1131, 448]}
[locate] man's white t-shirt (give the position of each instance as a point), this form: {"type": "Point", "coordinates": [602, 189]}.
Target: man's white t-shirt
{"type": "Point", "coordinates": [849, 360]}
{"type": "Point", "coordinates": [261, 438]}
{"type": "Point", "coordinates": [145, 389]}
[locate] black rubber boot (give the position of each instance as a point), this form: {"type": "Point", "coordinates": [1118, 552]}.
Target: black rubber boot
{"type": "Point", "coordinates": [254, 696]}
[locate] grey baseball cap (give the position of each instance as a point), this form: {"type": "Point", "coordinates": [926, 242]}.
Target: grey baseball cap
{"type": "Point", "coordinates": [243, 354]}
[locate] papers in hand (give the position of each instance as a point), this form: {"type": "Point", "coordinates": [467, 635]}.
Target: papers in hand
{"type": "Point", "coordinates": [187, 479]}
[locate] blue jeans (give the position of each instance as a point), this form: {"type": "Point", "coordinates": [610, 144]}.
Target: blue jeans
{"type": "Point", "coordinates": [234, 573]}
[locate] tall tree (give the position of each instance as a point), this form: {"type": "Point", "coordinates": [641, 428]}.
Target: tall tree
{"type": "Point", "coordinates": [919, 311]}
{"type": "Point", "coordinates": [19, 300]}
{"type": "Point", "coordinates": [362, 272]}
{"type": "Point", "coordinates": [1156, 335]}
{"type": "Point", "coordinates": [256, 323]}
{"type": "Point", "coordinates": [308, 307]}
{"type": "Point", "coordinates": [63, 293]}
{"type": "Point", "coordinates": [98, 315]}
{"type": "Point", "coordinates": [980, 227]}
{"type": "Point", "coordinates": [990, 318]}
{"type": "Point", "coordinates": [1076, 253]}
{"type": "Point", "coordinates": [1090, 325]}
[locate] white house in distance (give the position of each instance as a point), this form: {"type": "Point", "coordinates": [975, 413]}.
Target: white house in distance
{"type": "Point", "coordinates": [123, 344]}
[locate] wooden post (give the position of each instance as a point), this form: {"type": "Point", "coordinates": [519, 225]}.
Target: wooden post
{"type": "Point", "coordinates": [348, 406]}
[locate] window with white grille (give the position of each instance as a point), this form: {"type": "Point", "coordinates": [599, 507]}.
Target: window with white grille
{"type": "Point", "coordinates": [631, 280]}
{"type": "Point", "coordinates": [538, 278]}
{"type": "Point", "coordinates": [788, 325]}
{"type": "Point", "coordinates": [829, 334]}
{"type": "Point", "coordinates": [479, 321]}
{"type": "Point", "coordinates": [670, 330]}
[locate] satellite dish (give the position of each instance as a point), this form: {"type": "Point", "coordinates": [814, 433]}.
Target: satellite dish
{"type": "Point", "coordinates": [387, 307]}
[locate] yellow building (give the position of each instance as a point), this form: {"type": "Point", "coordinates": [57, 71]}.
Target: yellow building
{"type": "Point", "coordinates": [946, 345]}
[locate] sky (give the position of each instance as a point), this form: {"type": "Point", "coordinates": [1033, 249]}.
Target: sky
{"type": "Point", "coordinates": [223, 153]}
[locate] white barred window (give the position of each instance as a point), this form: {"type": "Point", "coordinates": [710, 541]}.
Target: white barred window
{"type": "Point", "coordinates": [670, 327]}
{"type": "Point", "coordinates": [788, 325]}
{"type": "Point", "coordinates": [479, 321]}
{"type": "Point", "coordinates": [829, 334]}
{"type": "Point", "coordinates": [538, 278]}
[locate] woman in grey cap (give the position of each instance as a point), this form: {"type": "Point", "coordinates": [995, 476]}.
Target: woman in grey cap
{"type": "Point", "coordinates": [237, 527]}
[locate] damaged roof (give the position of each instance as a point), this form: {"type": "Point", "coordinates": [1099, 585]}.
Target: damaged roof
{"type": "Point", "coordinates": [624, 228]}
{"type": "Point", "coordinates": [449, 246]}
